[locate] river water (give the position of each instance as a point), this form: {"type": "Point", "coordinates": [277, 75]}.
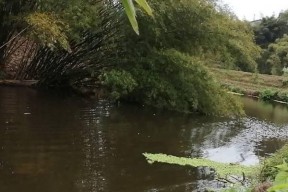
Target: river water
{"type": "Point", "coordinates": [61, 143]}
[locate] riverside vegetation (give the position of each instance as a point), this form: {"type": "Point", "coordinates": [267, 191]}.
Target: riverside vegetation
{"type": "Point", "coordinates": [92, 44]}
{"type": "Point", "coordinates": [263, 86]}
{"type": "Point", "coordinates": [271, 173]}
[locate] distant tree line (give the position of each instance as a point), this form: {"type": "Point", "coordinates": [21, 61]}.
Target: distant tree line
{"type": "Point", "coordinates": [271, 36]}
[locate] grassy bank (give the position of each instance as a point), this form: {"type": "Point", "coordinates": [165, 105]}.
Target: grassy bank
{"type": "Point", "coordinates": [266, 87]}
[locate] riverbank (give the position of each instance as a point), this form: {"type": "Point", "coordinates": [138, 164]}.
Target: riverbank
{"type": "Point", "coordinates": [18, 83]}
{"type": "Point", "coordinates": [266, 87]}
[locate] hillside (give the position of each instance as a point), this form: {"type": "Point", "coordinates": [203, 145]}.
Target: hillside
{"type": "Point", "coordinates": [250, 82]}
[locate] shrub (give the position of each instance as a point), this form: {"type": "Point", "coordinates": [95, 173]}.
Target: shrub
{"type": "Point", "coordinates": [172, 80]}
{"type": "Point", "coordinates": [282, 96]}
{"type": "Point", "coordinates": [267, 95]}
{"type": "Point", "coordinates": [269, 170]}
{"type": "Point", "coordinates": [281, 180]}
{"type": "Point", "coordinates": [237, 90]}
{"type": "Point", "coordinates": [119, 82]}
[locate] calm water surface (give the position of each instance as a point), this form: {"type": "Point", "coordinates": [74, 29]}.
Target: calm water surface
{"type": "Point", "coordinates": [60, 143]}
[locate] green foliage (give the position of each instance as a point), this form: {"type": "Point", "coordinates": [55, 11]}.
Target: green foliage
{"type": "Point", "coordinates": [282, 96]}
{"type": "Point", "coordinates": [119, 82]}
{"type": "Point", "coordinates": [233, 89]}
{"type": "Point", "coordinates": [269, 170]}
{"type": "Point", "coordinates": [131, 13]}
{"type": "Point", "coordinates": [285, 71]}
{"type": "Point", "coordinates": [48, 29]}
{"type": "Point", "coordinates": [278, 55]}
{"type": "Point", "coordinates": [281, 180]}
{"type": "Point", "coordinates": [222, 169]}
{"type": "Point", "coordinates": [267, 95]}
{"type": "Point", "coordinates": [196, 28]}
{"type": "Point", "coordinates": [270, 28]}
{"type": "Point", "coordinates": [65, 42]}
{"type": "Point", "coordinates": [171, 80]}
{"type": "Point", "coordinates": [237, 189]}
{"type": "Point", "coordinates": [271, 35]}
{"type": "Point", "coordinates": [168, 59]}
{"type": "Point", "coordinates": [256, 77]}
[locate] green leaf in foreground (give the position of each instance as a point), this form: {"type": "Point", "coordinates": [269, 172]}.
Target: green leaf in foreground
{"type": "Point", "coordinates": [144, 5]}
{"type": "Point", "coordinates": [281, 181]}
{"type": "Point", "coordinates": [222, 169]}
{"type": "Point", "coordinates": [131, 14]}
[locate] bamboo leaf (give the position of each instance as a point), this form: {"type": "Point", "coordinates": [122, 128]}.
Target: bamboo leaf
{"type": "Point", "coordinates": [145, 6]}
{"type": "Point", "coordinates": [131, 14]}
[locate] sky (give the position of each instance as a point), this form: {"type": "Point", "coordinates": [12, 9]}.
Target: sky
{"type": "Point", "coordinates": [255, 9]}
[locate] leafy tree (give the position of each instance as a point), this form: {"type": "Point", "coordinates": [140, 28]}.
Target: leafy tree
{"type": "Point", "coordinates": [267, 31]}
{"type": "Point", "coordinates": [167, 61]}
{"type": "Point", "coordinates": [278, 55]}
{"type": "Point", "coordinates": [171, 80]}
{"type": "Point", "coordinates": [65, 41]}
{"type": "Point", "coordinates": [270, 28]}
{"type": "Point", "coordinates": [19, 18]}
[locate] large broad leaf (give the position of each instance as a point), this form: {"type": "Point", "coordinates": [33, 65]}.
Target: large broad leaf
{"type": "Point", "coordinates": [144, 5]}
{"type": "Point", "coordinates": [131, 14]}
{"type": "Point", "coordinates": [281, 181]}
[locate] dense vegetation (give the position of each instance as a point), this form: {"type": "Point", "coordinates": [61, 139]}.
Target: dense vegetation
{"type": "Point", "coordinates": [167, 66]}
{"type": "Point", "coordinates": [167, 63]}
{"type": "Point", "coordinates": [92, 42]}
{"type": "Point", "coordinates": [271, 35]}
{"type": "Point", "coordinates": [60, 44]}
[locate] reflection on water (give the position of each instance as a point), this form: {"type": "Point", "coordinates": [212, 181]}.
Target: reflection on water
{"type": "Point", "coordinates": [65, 143]}
{"type": "Point", "coordinates": [232, 154]}
{"type": "Point", "coordinates": [271, 112]}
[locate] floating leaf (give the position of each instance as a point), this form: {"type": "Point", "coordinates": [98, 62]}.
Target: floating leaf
{"type": "Point", "coordinates": [222, 169]}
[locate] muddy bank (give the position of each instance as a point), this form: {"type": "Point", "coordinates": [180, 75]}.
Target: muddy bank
{"type": "Point", "coordinates": [19, 83]}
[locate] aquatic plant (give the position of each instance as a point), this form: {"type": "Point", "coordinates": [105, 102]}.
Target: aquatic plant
{"type": "Point", "coordinates": [222, 169]}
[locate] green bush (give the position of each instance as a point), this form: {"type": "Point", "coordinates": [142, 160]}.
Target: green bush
{"type": "Point", "coordinates": [282, 96]}
{"type": "Point", "coordinates": [269, 170]}
{"type": "Point", "coordinates": [280, 183]}
{"type": "Point", "coordinates": [268, 94]}
{"type": "Point", "coordinates": [120, 83]}
{"type": "Point", "coordinates": [171, 80]}
{"type": "Point", "coordinates": [237, 90]}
